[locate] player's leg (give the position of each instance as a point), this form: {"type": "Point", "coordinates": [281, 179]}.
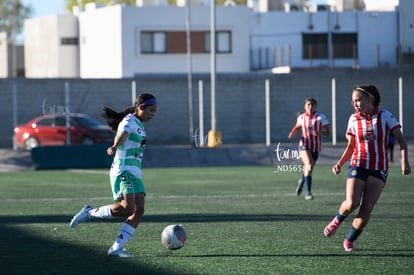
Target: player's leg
{"type": "Point", "coordinates": [354, 191]}
{"type": "Point", "coordinates": [372, 192]}
{"type": "Point", "coordinates": [126, 231]}
{"type": "Point", "coordinates": [136, 202]}
{"type": "Point", "coordinates": [307, 160]}
{"type": "Point", "coordinates": [119, 185]}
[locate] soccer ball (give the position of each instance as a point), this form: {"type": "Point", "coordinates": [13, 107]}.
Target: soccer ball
{"type": "Point", "coordinates": [173, 237]}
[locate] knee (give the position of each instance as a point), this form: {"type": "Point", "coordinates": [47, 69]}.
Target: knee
{"type": "Point", "coordinates": [350, 205]}
{"type": "Point", "coordinates": [360, 222]}
{"type": "Point", "coordinates": [129, 210]}
{"type": "Point", "coordinates": [307, 168]}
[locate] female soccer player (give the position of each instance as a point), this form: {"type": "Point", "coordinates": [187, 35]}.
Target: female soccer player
{"type": "Point", "coordinates": [125, 174]}
{"type": "Point", "coordinates": [367, 135]}
{"type": "Point", "coordinates": [313, 124]}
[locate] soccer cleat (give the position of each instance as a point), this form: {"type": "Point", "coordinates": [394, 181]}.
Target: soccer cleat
{"type": "Point", "coordinates": [331, 228]}
{"type": "Point", "coordinates": [119, 253]}
{"type": "Point", "coordinates": [348, 245]}
{"type": "Point", "coordinates": [309, 196]}
{"type": "Point", "coordinates": [81, 216]}
{"type": "Point", "coordinates": [299, 187]}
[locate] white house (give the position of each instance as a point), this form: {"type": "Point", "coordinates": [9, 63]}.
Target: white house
{"type": "Point", "coordinates": [302, 39]}
{"type": "Point", "coordinates": [122, 41]}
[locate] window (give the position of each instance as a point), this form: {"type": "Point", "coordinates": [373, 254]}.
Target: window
{"type": "Point", "coordinates": [223, 42]}
{"type": "Point", "coordinates": [175, 42]}
{"type": "Point", "coordinates": [153, 42]}
{"type": "Point", "coordinates": [69, 41]}
{"type": "Point", "coordinates": [45, 122]}
{"type": "Point", "coordinates": [60, 121]}
{"type": "Point", "coordinates": [315, 45]}
{"type": "Point", "coordinates": [345, 45]}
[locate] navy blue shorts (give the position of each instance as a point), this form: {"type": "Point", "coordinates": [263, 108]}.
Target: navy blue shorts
{"type": "Point", "coordinates": [363, 174]}
{"type": "Point", "coordinates": [314, 155]}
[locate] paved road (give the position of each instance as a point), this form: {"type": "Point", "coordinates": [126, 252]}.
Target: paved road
{"type": "Point", "coordinates": [11, 160]}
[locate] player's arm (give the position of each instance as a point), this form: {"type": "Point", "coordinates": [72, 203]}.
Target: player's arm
{"type": "Point", "coordinates": [336, 169]}
{"type": "Point", "coordinates": [294, 130]}
{"type": "Point", "coordinates": [405, 164]}
{"type": "Point", "coordinates": [119, 140]}
{"type": "Point", "coordinates": [325, 131]}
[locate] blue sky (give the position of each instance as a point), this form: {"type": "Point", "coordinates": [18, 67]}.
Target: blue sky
{"type": "Point", "coordinates": [43, 8]}
{"type": "Point", "coordinates": [46, 7]}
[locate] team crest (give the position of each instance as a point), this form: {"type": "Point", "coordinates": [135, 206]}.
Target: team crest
{"type": "Point", "coordinates": [353, 173]}
{"type": "Point", "coordinates": [370, 137]}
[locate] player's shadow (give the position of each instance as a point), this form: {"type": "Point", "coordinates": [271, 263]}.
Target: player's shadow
{"type": "Point", "coordinates": [26, 253]}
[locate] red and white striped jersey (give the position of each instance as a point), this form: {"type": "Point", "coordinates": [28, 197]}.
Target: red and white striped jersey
{"type": "Point", "coordinates": [310, 124]}
{"type": "Point", "coordinates": [371, 139]}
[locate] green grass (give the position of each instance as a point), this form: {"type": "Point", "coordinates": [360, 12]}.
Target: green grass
{"type": "Point", "coordinates": [239, 220]}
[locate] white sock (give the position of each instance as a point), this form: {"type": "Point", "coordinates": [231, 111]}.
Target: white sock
{"type": "Point", "coordinates": [101, 212]}
{"type": "Point", "coordinates": [125, 234]}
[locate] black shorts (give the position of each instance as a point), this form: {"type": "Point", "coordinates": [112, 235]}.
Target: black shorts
{"type": "Point", "coordinates": [355, 172]}
{"type": "Point", "coordinates": [314, 155]}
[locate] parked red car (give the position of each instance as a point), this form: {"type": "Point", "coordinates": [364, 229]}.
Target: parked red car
{"type": "Point", "coordinates": [50, 130]}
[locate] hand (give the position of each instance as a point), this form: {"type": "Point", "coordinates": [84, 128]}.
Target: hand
{"type": "Point", "coordinates": [111, 150]}
{"type": "Point", "coordinates": [336, 169]}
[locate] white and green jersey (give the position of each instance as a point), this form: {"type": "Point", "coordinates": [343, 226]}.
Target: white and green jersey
{"type": "Point", "coordinates": [129, 155]}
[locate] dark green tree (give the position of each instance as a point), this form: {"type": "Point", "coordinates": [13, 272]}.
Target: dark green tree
{"type": "Point", "coordinates": [12, 16]}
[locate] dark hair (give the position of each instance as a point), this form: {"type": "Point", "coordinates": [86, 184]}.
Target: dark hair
{"type": "Point", "coordinates": [113, 118]}
{"type": "Point", "coordinates": [371, 91]}
{"type": "Point", "coordinates": [311, 99]}
{"type": "Point", "coordinates": [145, 100]}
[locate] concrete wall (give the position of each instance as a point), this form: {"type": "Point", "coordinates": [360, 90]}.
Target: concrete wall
{"type": "Point", "coordinates": [240, 103]}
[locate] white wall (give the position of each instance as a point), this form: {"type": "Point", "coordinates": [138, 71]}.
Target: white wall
{"type": "Point", "coordinates": [110, 44]}
{"type": "Point", "coordinates": [68, 58]}
{"type": "Point", "coordinates": [406, 10]}
{"type": "Point", "coordinates": [378, 38]}
{"type": "Point", "coordinates": [44, 54]}
{"type": "Point", "coordinates": [100, 41]}
{"type": "Point", "coordinates": [4, 55]}
{"type": "Point", "coordinates": [277, 29]}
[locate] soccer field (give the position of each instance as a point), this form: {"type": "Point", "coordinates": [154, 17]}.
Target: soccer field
{"type": "Point", "coordinates": [239, 220]}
